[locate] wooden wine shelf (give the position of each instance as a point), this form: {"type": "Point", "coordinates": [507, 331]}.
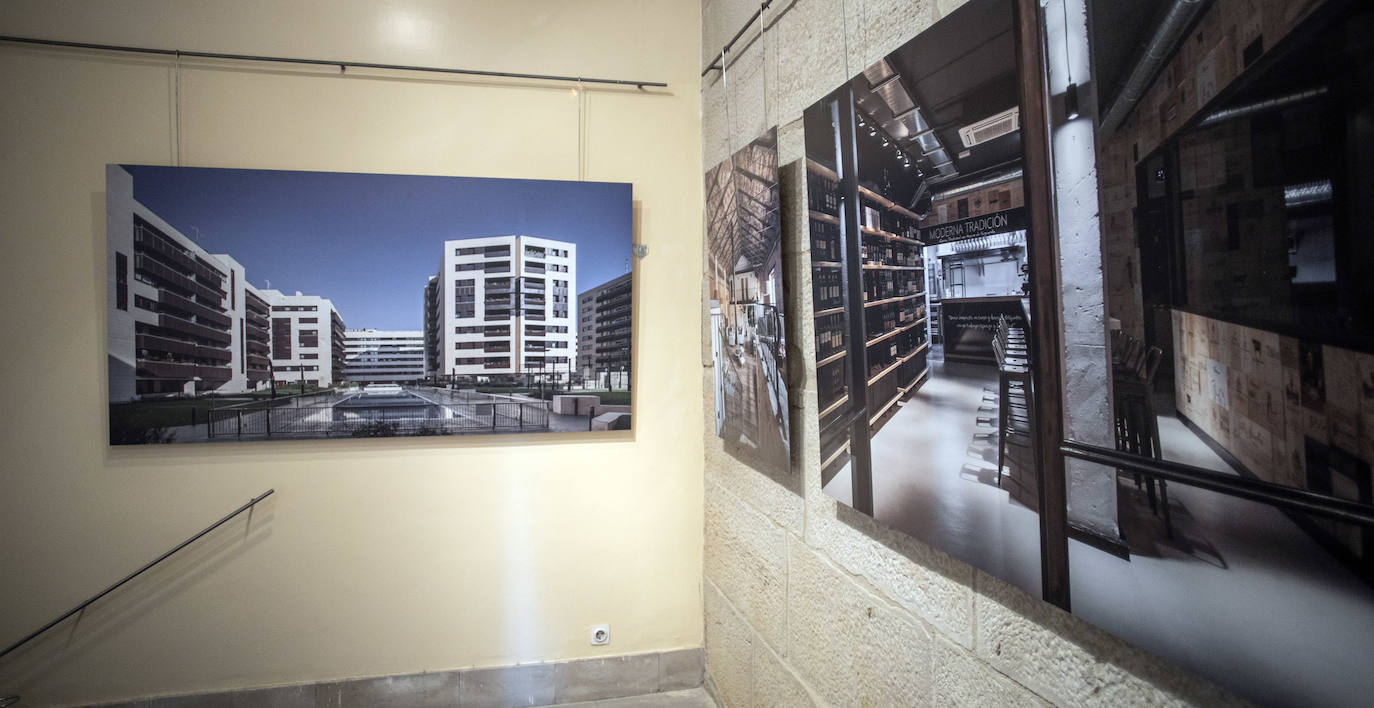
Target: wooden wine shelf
{"type": "Point", "coordinates": [831, 359]}
{"type": "Point", "coordinates": [821, 170]}
{"type": "Point", "coordinates": [844, 447]}
{"type": "Point", "coordinates": [887, 203]}
{"type": "Point", "coordinates": [897, 363]}
{"type": "Point", "coordinates": [884, 234]}
{"type": "Point", "coordinates": [834, 406]}
{"type": "Point", "coordinates": [890, 300]}
{"type": "Point", "coordinates": [900, 392]}
{"type": "Point", "coordinates": [893, 333]}
{"type": "Point", "coordinates": [837, 412]}
{"type": "Point", "coordinates": [874, 418]}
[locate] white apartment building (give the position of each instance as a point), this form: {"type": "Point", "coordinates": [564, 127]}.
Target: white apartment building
{"type": "Point", "coordinates": [384, 356]}
{"type": "Point", "coordinates": [180, 320]}
{"type": "Point", "coordinates": [501, 305]}
{"type": "Point", "coordinates": [307, 339]}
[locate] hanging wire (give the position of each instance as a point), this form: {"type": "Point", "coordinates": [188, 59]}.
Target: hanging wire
{"type": "Point", "coordinates": [581, 132]}
{"type": "Point", "coordinates": [763, 45]}
{"type": "Point", "coordinates": [176, 128]}
{"type": "Point", "coordinates": [844, 24]}
{"type": "Point", "coordinates": [725, 86]}
{"type": "Point", "coordinates": [1068, 62]}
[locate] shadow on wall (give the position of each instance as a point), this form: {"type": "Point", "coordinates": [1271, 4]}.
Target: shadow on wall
{"type": "Point", "coordinates": [30, 665]}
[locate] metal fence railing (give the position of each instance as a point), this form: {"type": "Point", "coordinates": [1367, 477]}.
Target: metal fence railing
{"type": "Point", "coordinates": [422, 411]}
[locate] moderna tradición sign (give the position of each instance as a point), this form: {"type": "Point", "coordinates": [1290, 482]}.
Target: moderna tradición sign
{"type": "Point", "coordinates": [998, 222]}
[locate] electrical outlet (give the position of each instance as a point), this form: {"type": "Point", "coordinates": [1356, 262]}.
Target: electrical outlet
{"type": "Point", "coordinates": [601, 634]}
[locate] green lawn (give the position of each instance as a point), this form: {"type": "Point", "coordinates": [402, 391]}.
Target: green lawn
{"type": "Point", "coordinates": [156, 414]}
{"type": "Point", "coordinates": [610, 398]}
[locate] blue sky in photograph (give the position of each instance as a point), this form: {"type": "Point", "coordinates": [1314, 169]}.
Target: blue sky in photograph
{"type": "Point", "coordinates": [370, 242]}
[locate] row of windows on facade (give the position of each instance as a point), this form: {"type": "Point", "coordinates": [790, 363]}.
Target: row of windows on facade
{"type": "Point", "coordinates": [460, 299]}
{"type": "Point", "coordinates": [504, 267]}
{"type": "Point", "coordinates": [530, 330]}
{"type": "Point", "coordinates": [468, 285]}
{"type": "Point", "coordinates": [295, 308]}
{"type": "Point", "coordinates": [504, 250]}
{"type": "Point", "coordinates": [307, 339]}
{"type": "Point", "coordinates": [481, 344]}
{"type": "Point", "coordinates": [469, 312]}
{"type": "Point", "coordinates": [504, 362]}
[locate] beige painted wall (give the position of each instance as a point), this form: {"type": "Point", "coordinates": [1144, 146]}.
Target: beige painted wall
{"type": "Point", "coordinates": [807, 601]}
{"type": "Point", "coordinates": [374, 557]}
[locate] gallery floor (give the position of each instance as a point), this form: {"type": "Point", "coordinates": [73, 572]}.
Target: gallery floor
{"type": "Point", "coordinates": [1192, 599]}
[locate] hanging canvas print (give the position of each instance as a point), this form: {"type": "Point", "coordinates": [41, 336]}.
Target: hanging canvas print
{"type": "Point", "coordinates": [265, 305]}
{"type": "Point", "coordinates": [744, 275]}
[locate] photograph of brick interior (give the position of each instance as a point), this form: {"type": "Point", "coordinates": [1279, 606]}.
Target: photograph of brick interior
{"type": "Point", "coordinates": [1180, 515]}
{"type": "Point", "coordinates": [745, 280]}
{"type": "Point", "coordinates": [487, 344]}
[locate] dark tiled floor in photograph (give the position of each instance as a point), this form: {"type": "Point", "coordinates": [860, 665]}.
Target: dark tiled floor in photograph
{"type": "Point", "coordinates": [934, 476]}
{"type": "Point", "coordinates": [1240, 592]}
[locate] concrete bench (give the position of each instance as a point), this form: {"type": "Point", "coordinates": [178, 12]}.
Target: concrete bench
{"type": "Point", "coordinates": [574, 405]}
{"type": "Point", "coordinates": [611, 421]}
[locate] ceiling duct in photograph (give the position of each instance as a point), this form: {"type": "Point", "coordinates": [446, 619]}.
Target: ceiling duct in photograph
{"type": "Point", "coordinates": [1262, 106]}
{"type": "Point", "coordinates": [990, 128]}
{"type": "Point", "coordinates": [895, 96]}
{"type": "Point", "coordinates": [892, 107]}
{"type": "Point", "coordinates": [1162, 44]}
{"type": "Point", "coordinates": [999, 178]}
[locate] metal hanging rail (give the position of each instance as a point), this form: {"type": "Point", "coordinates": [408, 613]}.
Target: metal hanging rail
{"type": "Point", "coordinates": [1278, 495]}
{"type": "Point", "coordinates": [342, 64]}
{"type": "Point", "coordinates": [137, 573]}
{"type": "Point", "coordinates": [716, 63]}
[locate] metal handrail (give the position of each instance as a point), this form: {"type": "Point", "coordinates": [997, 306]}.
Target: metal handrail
{"type": "Point", "coordinates": [1278, 495]}
{"type": "Point", "coordinates": [136, 573]}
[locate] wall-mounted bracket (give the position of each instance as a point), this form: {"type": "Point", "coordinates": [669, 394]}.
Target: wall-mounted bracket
{"type": "Point", "coordinates": [640, 250]}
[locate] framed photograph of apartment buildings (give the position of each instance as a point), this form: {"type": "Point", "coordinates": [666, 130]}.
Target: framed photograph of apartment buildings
{"type": "Point", "coordinates": [263, 305]}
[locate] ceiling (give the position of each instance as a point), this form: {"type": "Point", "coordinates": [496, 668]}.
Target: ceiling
{"type": "Point", "coordinates": [1120, 30]}
{"type": "Point", "coordinates": [960, 71]}
{"type": "Point", "coordinates": [742, 206]}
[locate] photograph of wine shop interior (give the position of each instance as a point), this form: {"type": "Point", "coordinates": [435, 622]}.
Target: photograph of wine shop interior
{"type": "Point", "coordinates": [1216, 308]}
{"type": "Point", "coordinates": [744, 275]}
{"type": "Point", "coordinates": [939, 265]}
{"type": "Point", "coordinates": [1235, 202]}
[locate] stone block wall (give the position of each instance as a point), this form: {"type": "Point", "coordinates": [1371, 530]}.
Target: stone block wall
{"type": "Point", "coordinates": [806, 601]}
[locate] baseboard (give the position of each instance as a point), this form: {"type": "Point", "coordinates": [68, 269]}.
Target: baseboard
{"type": "Point", "coordinates": [1321, 536]}
{"type": "Point", "coordinates": [1216, 447]}
{"type": "Point", "coordinates": [1106, 544]}
{"type": "Point", "coordinates": [523, 684]}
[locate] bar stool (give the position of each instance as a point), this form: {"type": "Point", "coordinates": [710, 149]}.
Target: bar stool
{"type": "Point", "coordinates": [1014, 413]}
{"type": "Point", "coordinates": [1013, 338]}
{"type": "Point", "coordinates": [1137, 424]}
